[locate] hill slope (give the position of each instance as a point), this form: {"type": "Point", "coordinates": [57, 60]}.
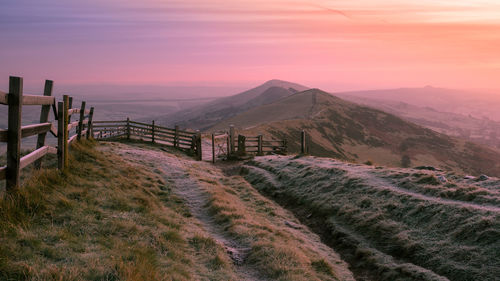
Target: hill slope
{"type": "Point", "coordinates": [391, 224]}
{"type": "Point", "coordinates": [483, 131]}
{"type": "Point", "coordinates": [133, 211]}
{"type": "Point", "coordinates": [342, 129]}
{"type": "Point", "coordinates": [207, 115]}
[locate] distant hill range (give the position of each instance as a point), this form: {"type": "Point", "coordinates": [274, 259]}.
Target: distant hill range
{"type": "Point", "coordinates": [348, 131]}
{"type": "Point", "coordinates": [207, 115]}
{"type": "Point", "coordinates": [480, 130]}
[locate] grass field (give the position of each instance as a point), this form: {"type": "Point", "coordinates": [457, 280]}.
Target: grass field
{"type": "Point", "coordinates": [391, 224]}
{"type": "Point", "coordinates": [105, 219]}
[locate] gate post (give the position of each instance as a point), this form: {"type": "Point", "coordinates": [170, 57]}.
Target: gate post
{"type": "Point", "coordinates": [153, 131]}
{"type": "Point", "coordinates": [198, 147]}
{"type": "Point", "coordinates": [231, 140]}
{"type": "Point", "coordinates": [128, 128]}
{"type": "Point", "coordinates": [259, 146]}
{"type": "Point", "coordinates": [241, 145]}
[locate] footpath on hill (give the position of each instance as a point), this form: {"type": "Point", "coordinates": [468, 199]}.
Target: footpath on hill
{"type": "Point", "coordinates": [263, 241]}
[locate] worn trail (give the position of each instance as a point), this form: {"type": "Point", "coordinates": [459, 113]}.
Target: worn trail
{"type": "Point", "coordinates": [174, 170]}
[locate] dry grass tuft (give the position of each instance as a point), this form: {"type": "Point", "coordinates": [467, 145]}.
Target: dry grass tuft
{"type": "Point", "coordinates": [275, 249]}
{"type": "Point", "coordinates": [103, 219]}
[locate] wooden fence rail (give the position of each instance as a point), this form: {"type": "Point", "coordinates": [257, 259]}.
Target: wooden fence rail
{"type": "Point", "coordinates": [183, 140]}
{"type": "Point", "coordinates": [13, 135]}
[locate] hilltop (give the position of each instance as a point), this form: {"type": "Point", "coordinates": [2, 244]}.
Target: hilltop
{"type": "Point", "coordinates": [345, 130]}
{"type": "Point", "coordinates": [206, 115]}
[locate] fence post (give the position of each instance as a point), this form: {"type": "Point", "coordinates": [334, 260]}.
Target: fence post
{"type": "Point", "coordinates": [153, 132]}
{"type": "Point", "coordinates": [89, 125]}
{"type": "Point", "coordinates": [60, 135]}
{"type": "Point", "coordinates": [198, 147]}
{"type": "Point", "coordinates": [80, 122]}
{"type": "Point", "coordinates": [44, 117]}
{"type": "Point", "coordinates": [213, 148]}
{"type": "Point", "coordinates": [66, 103]}
{"type": "Point", "coordinates": [70, 106]}
{"type": "Point", "coordinates": [241, 145]}
{"type": "Point", "coordinates": [285, 146]}
{"type": "Point", "coordinates": [303, 142]}
{"type": "Point", "coordinates": [128, 128]}
{"type": "Point", "coordinates": [176, 137]}
{"type": "Point", "coordinates": [231, 139]}
{"type": "Point", "coordinates": [259, 146]}
{"type": "Point", "coordinates": [15, 102]}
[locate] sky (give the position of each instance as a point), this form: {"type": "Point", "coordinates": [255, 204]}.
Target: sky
{"type": "Point", "coordinates": [337, 45]}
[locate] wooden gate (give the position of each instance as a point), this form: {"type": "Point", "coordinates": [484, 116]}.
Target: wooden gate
{"type": "Point", "coordinates": [220, 146]}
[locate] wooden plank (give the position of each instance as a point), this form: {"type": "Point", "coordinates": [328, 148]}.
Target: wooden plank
{"type": "Point", "coordinates": [109, 129]}
{"type": "Point", "coordinates": [73, 125]}
{"type": "Point", "coordinates": [14, 133]}
{"type": "Point", "coordinates": [221, 136]}
{"type": "Point", "coordinates": [35, 155]}
{"type": "Point", "coordinates": [140, 123]}
{"type": "Point", "coordinates": [38, 100]}
{"type": "Point", "coordinates": [53, 130]}
{"type": "Point", "coordinates": [4, 98]}
{"type": "Point", "coordinates": [109, 126]}
{"type": "Point", "coordinates": [139, 127]}
{"type": "Point", "coordinates": [73, 111]}
{"type": "Point", "coordinates": [3, 172]}
{"type": "Point", "coordinates": [35, 129]}
{"type": "Point", "coordinates": [44, 117]}
{"type": "Point", "coordinates": [112, 122]}
{"type": "Point", "coordinates": [72, 139]}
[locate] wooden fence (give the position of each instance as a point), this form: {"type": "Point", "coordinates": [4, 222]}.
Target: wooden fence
{"type": "Point", "coordinates": [225, 144]}
{"type": "Point", "coordinates": [174, 137]}
{"type": "Point", "coordinates": [15, 100]}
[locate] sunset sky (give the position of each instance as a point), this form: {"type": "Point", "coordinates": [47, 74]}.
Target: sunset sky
{"type": "Point", "coordinates": [336, 45]}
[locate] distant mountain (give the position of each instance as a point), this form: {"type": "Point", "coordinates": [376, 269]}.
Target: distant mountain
{"type": "Point", "coordinates": [348, 131]}
{"type": "Point", "coordinates": [480, 130]}
{"type": "Point", "coordinates": [204, 116]}
{"type": "Point", "coordinates": [476, 103]}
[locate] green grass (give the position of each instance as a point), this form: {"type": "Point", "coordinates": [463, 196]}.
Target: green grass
{"type": "Point", "coordinates": [102, 219]}
{"type": "Point", "coordinates": [389, 233]}
{"type": "Point", "coordinates": [258, 223]}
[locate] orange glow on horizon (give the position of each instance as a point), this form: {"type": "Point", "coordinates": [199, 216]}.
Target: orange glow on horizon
{"type": "Point", "coordinates": [337, 44]}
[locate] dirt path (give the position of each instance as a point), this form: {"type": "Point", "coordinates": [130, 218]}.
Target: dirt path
{"type": "Point", "coordinates": [174, 170]}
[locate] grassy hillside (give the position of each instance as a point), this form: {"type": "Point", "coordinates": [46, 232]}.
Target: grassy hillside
{"type": "Point", "coordinates": [483, 131]}
{"type": "Point", "coordinates": [391, 224]}
{"type": "Point", "coordinates": [344, 130]}
{"type": "Point", "coordinates": [104, 220]}
{"type": "Point", "coordinates": [122, 212]}
{"type": "Point", "coordinates": [204, 116]}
